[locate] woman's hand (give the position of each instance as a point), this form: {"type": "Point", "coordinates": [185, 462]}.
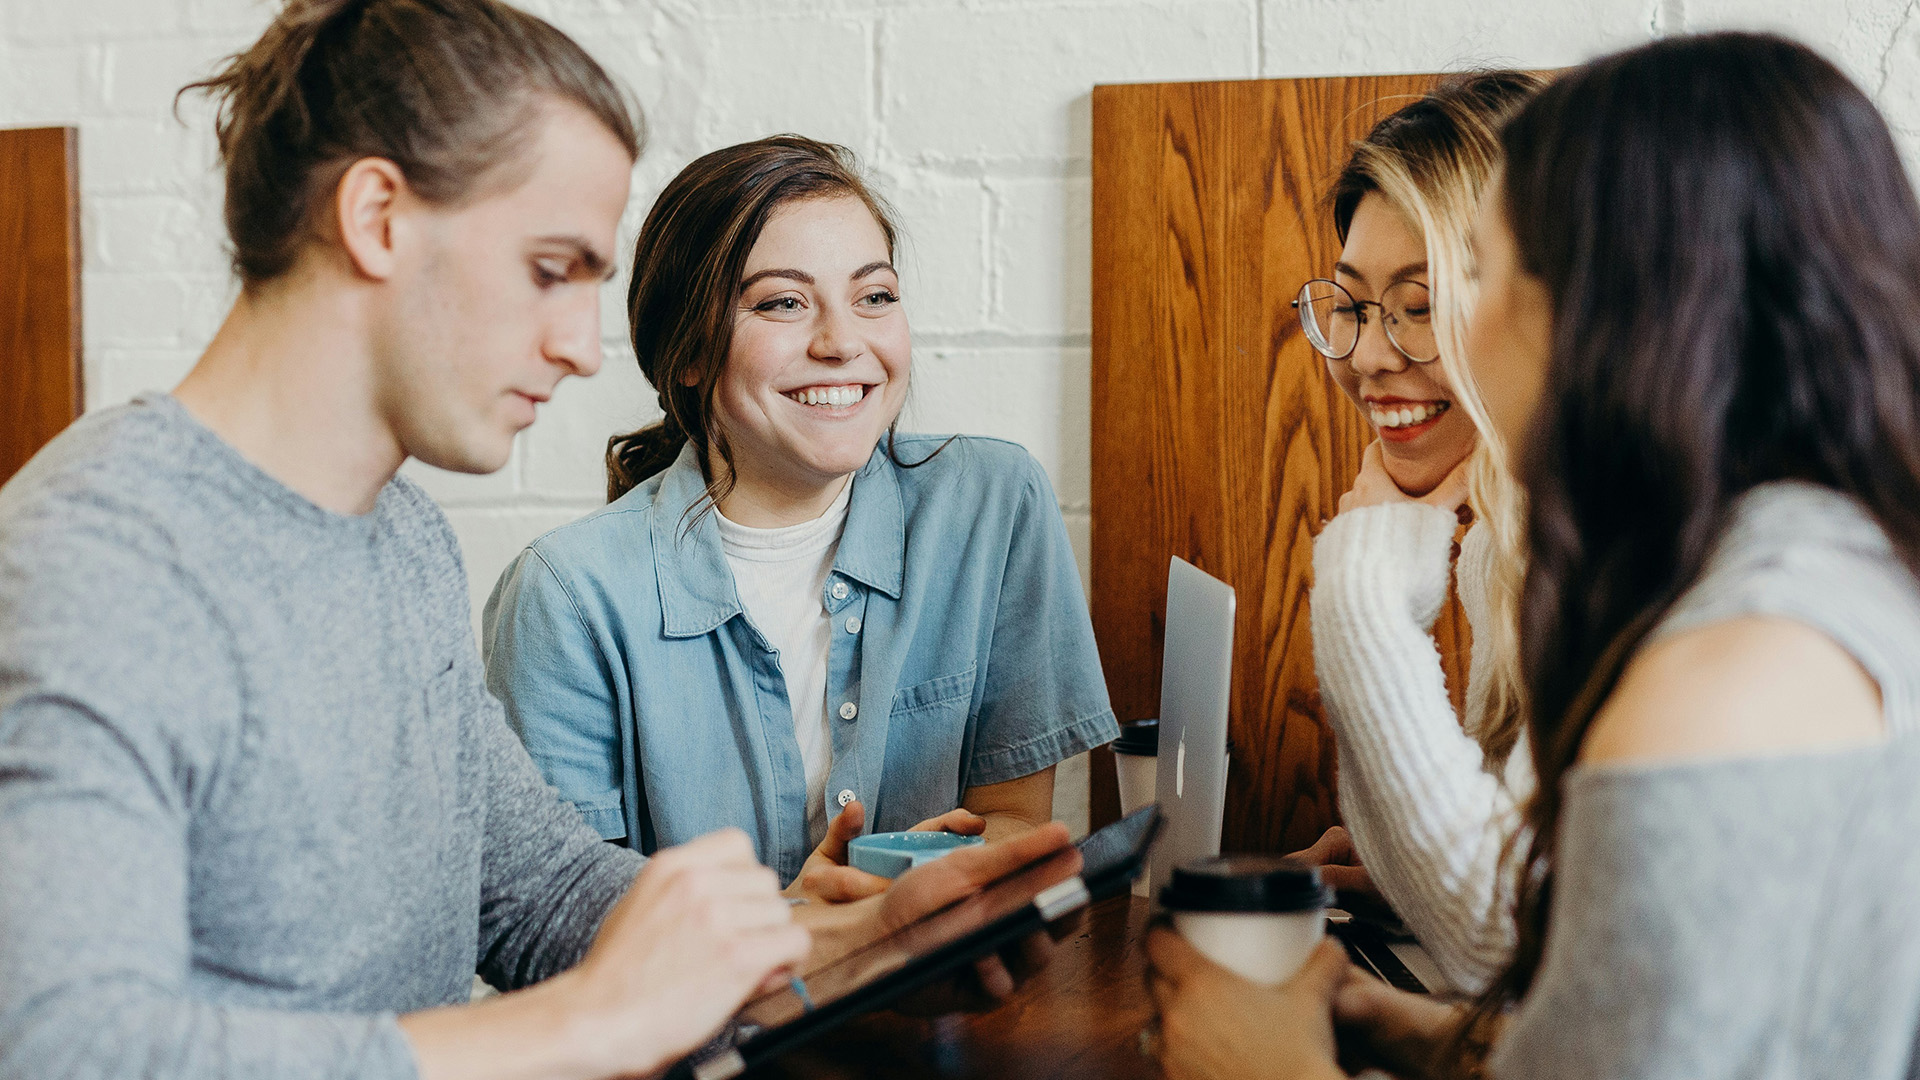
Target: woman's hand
{"type": "Point", "coordinates": [1215, 1025]}
{"type": "Point", "coordinates": [1392, 1029]}
{"type": "Point", "coordinates": [826, 878]}
{"type": "Point", "coordinates": [1374, 487]}
{"type": "Point", "coordinates": [1339, 863]}
{"type": "Point", "coordinates": [703, 927]}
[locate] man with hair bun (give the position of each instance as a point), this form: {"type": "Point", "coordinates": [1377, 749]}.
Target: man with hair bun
{"type": "Point", "coordinates": [259, 816]}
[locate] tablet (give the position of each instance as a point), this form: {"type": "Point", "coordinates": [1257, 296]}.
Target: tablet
{"type": "Point", "coordinates": [880, 972]}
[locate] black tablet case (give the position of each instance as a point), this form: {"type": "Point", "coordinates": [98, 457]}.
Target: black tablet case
{"type": "Point", "coordinates": [1111, 859]}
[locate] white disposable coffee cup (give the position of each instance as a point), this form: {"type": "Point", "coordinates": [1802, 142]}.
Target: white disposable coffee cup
{"type": "Point", "coordinates": [1136, 762]}
{"type": "Point", "coordinates": [1135, 757]}
{"type": "Point", "coordinates": [1137, 776]}
{"type": "Point", "coordinates": [1259, 916]}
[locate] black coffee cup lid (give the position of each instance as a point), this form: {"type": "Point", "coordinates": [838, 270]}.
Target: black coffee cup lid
{"type": "Point", "coordinates": [1139, 737]}
{"type": "Point", "coordinates": [1264, 884]}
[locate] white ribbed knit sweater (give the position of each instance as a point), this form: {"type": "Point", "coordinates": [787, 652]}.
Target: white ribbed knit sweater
{"type": "Point", "coordinates": [1427, 817]}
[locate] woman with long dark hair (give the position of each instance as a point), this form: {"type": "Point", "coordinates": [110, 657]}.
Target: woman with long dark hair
{"type": "Point", "coordinates": [791, 618]}
{"type": "Point", "coordinates": [1697, 325]}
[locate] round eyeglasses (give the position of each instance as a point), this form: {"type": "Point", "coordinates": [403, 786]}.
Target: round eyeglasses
{"type": "Point", "coordinates": [1333, 319]}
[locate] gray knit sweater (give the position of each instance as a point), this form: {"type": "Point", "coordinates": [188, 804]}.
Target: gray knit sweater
{"type": "Point", "coordinates": [1754, 918]}
{"type": "Point", "coordinates": [255, 799]}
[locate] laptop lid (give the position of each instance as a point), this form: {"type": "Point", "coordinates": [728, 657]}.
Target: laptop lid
{"type": "Point", "coordinates": [1196, 677]}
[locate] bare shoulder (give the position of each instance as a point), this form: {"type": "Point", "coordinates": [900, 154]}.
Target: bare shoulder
{"type": "Point", "coordinates": [1755, 685]}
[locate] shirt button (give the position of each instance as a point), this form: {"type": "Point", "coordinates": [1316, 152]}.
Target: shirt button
{"type": "Point", "coordinates": [839, 590]}
{"type": "Point", "coordinates": [853, 624]}
{"type": "Point", "coordinates": [848, 710]}
{"type": "Point", "coordinates": [845, 796]}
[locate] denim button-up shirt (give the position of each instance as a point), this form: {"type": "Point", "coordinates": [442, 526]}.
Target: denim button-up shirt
{"type": "Point", "coordinates": [962, 654]}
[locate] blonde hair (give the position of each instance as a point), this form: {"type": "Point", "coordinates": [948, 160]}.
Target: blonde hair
{"type": "Point", "coordinates": [1432, 160]}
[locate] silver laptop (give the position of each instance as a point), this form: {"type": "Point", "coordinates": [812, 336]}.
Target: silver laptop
{"type": "Point", "coordinates": [1196, 678]}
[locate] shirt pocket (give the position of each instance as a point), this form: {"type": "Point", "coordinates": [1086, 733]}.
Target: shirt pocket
{"type": "Point", "coordinates": [927, 737]}
{"type": "Point", "coordinates": [947, 691]}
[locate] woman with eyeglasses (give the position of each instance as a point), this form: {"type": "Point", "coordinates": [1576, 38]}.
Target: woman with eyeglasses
{"type": "Point", "coordinates": [1697, 274]}
{"type": "Point", "coordinates": [1428, 796]}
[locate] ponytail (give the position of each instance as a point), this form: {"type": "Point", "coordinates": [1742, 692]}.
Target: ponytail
{"type": "Point", "coordinates": [444, 89]}
{"type": "Point", "coordinates": [637, 455]}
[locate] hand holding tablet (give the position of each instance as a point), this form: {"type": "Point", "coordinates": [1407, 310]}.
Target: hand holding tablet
{"type": "Point", "coordinates": [956, 933]}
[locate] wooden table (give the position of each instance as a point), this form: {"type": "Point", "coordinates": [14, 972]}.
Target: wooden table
{"type": "Point", "coordinates": [1081, 1017]}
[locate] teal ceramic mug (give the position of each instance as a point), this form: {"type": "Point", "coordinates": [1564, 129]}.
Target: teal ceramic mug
{"type": "Point", "coordinates": [890, 854]}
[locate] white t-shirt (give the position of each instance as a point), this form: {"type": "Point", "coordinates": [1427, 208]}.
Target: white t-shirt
{"type": "Point", "coordinates": [782, 578]}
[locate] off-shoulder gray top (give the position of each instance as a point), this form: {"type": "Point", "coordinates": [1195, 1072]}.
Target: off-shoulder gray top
{"type": "Point", "coordinates": [1760, 917]}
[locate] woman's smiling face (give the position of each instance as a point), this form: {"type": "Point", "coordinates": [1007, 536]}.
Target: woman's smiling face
{"type": "Point", "coordinates": [821, 349]}
{"type": "Point", "coordinates": [1422, 435]}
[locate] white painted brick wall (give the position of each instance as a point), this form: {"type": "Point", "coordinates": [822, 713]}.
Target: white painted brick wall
{"type": "Point", "coordinates": [1335, 37]}
{"type": "Point", "coordinates": [978, 85]}
{"type": "Point", "coordinates": [973, 115]}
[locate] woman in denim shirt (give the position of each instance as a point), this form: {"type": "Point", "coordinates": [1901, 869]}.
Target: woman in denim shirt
{"type": "Point", "coordinates": [789, 618]}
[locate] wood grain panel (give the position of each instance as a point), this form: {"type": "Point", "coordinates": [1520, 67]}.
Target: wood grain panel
{"type": "Point", "coordinates": [39, 290]}
{"type": "Point", "coordinates": [1217, 434]}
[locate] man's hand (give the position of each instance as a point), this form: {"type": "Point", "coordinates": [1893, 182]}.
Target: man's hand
{"type": "Point", "coordinates": [1215, 1025]}
{"type": "Point", "coordinates": [839, 929]}
{"type": "Point", "coordinates": [931, 886]}
{"type": "Point", "coordinates": [702, 928]}
{"type": "Point", "coordinates": [826, 877]}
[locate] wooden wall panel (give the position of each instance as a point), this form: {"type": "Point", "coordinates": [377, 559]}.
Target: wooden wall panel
{"type": "Point", "coordinates": [39, 290]}
{"type": "Point", "coordinates": [1217, 435]}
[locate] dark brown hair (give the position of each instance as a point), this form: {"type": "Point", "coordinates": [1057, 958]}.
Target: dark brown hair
{"type": "Point", "coordinates": [687, 265]}
{"type": "Point", "coordinates": [445, 89]}
{"type": "Point", "coordinates": [1732, 249]}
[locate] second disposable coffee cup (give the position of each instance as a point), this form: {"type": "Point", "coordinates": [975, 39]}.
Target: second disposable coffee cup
{"type": "Point", "coordinates": [1259, 916]}
{"type": "Point", "coordinates": [1135, 757]}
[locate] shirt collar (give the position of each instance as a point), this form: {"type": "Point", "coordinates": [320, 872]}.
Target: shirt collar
{"type": "Point", "coordinates": [697, 591]}
{"type": "Point", "coordinates": [873, 550]}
